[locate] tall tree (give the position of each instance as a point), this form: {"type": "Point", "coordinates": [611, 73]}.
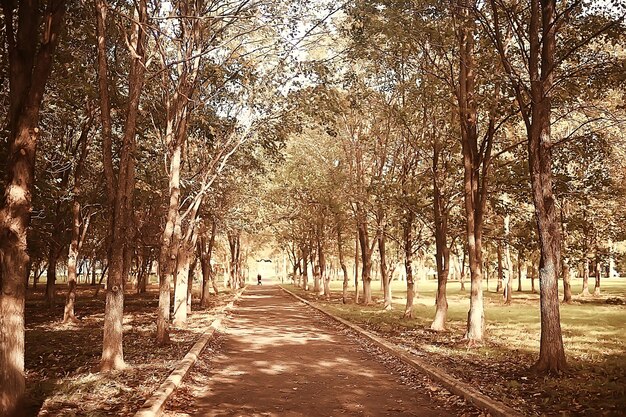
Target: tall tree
{"type": "Point", "coordinates": [120, 185]}
{"type": "Point", "coordinates": [31, 32]}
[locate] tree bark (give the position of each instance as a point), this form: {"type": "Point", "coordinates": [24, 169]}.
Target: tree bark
{"type": "Point", "coordinates": [598, 275]}
{"type": "Point", "coordinates": [565, 270]}
{"type": "Point", "coordinates": [500, 267]}
{"type": "Point", "coordinates": [190, 276]}
{"type": "Point", "coordinates": [384, 273]}
{"type": "Point", "coordinates": [169, 248]}
{"type": "Point", "coordinates": [408, 263]}
{"type": "Point", "coordinates": [366, 258]}
{"type": "Point", "coordinates": [207, 270]}
{"type": "Point", "coordinates": [356, 269]}
{"type": "Point", "coordinates": [324, 276]}
{"type": "Point", "coordinates": [508, 264]}
{"type": "Point", "coordinates": [51, 275]}
{"type": "Point", "coordinates": [521, 269]}
{"type": "Point", "coordinates": [72, 257]}
{"type": "Point", "coordinates": [342, 264]}
{"type": "Point", "coordinates": [442, 251]}
{"type": "Point", "coordinates": [541, 69]}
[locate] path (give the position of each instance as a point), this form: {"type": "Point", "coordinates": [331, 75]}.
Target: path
{"type": "Point", "coordinates": [278, 358]}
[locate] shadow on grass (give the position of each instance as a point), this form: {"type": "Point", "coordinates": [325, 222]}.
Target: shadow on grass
{"type": "Point", "coordinates": [594, 337]}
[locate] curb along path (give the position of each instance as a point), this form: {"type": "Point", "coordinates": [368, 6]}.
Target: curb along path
{"type": "Point", "coordinates": [495, 408]}
{"type": "Point", "coordinates": [153, 407]}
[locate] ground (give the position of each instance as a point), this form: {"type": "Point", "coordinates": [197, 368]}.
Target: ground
{"type": "Point", "coordinates": [594, 337]}
{"type": "Point", "coordinates": [62, 359]}
{"type": "Point", "coordinates": [278, 357]}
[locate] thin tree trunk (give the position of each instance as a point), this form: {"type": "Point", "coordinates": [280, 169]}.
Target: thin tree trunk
{"type": "Point", "coordinates": [565, 272]}
{"type": "Point", "coordinates": [102, 275]}
{"type": "Point", "coordinates": [521, 268]}
{"type": "Point", "coordinates": [366, 257]}
{"type": "Point", "coordinates": [191, 275]}
{"type": "Point", "coordinates": [500, 267]}
{"type": "Point", "coordinates": [324, 276]}
{"type": "Point", "coordinates": [442, 251]}
{"type": "Point", "coordinates": [384, 273]}
{"type": "Point", "coordinates": [508, 264]}
{"type": "Point", "coordinates": [585, 290]}
{"type": "Point", "coordinates": [463, 270]}
{"type": "Point", "coordinates": [598, 274]}
{"type": "Point", "coordinates": [51, 276]}
{"type": "Point", "coordinates": [356, 270]}
{"type": "Point", "coordinates": [72, 257]}
{"type": "Point", "coordinates": [344, 268]}
{"type": "Point", "coordinates": [207, 269]}
{"type": "Point", "coordinates": [408, 264]}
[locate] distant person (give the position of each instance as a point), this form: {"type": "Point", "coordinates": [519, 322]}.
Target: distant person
{"type": "Point", "coordinates": [258, 279]}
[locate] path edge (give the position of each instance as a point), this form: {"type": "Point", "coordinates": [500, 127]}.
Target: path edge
{"type": "Point", "coordinates": [478, 399]}
{"type": "Point", "coordinates": [153, 407]}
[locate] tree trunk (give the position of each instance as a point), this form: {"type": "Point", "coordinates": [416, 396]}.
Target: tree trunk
{"type": "Point", "coordinates": [476, 162]}
{"type": "Point", "coordinates": [93, 272]}
{"type": "Point", "coordinates": [598, 274]}
{"type": "Point", "coordinates": [344, 268]}
{"type": "Point", "coordinates": [169, 248]}
{"type": "Point", "coordinates": [463, 270]}
{"type": "Point", "coordinates": [324, 275]}
{"type": "Point", "coordinates": [408, 264]}
{"type": "Point", "coordinates": [500, 270]}
{"type": "Point", "coordinates": [72, 257]}
{"type": "Point", "coordinates": [356, 270]}
{"type": "Point", "coordinates": [521, 270]}
{"type": "Point", "coordinates": [233, 242]}
{"type": "Point", "coordinates": [51, 276]}
{"type": "Point", "coordinates": [585, 291]}
{"type": "Point", "coordinates": [441, 213]}
{"type": "Point", "coordinates": [190, 276]}
{"type": "Point", "coordinates": [366, 257]}
{"type": "Point", "coordinates": [180, 289]}
{"type": "Point", "coordinates": [567, 285]}
{"type": "Point", "coordinates": [565, 271]}
{"type": "Point", "coordinates": [537, 117]}
{"type": "Point", "coordinates": [207, 270]}
{"type": "Point", "coordinates": [508, 264]}
{"type": "Point", "coordinates": [30, 59]}
{"type": "Point", "coordinates": [384, 273]}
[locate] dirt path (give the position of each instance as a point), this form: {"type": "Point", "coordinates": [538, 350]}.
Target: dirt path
{"type": "Point", "coordinates": [277, 357]}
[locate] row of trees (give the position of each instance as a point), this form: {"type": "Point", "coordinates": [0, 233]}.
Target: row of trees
{"type": "Point", "coordinates": [161, 121]}
{"type": "Point", "coordinates": [157, 118]}
{"type": "Point", "coordinates": [443, 126]}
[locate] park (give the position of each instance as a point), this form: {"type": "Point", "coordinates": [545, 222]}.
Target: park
{"type": "Point", "coordinates": [312, 208]}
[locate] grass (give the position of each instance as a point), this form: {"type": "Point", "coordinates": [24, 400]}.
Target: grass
{"type": "Point", "coordinates": [594, 334]}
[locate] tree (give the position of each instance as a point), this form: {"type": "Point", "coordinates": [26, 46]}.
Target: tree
{"type": "Point", "coordinates": [534, 70]}
{"type": "Point", "coordinates": [30, 63]}
{"type": "Point", "coordinates": [120, 186]}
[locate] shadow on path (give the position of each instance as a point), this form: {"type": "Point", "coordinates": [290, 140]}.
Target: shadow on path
{"type": "Point", "coordinates": [277, 358]}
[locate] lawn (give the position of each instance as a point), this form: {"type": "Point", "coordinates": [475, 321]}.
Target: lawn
{"type": "Point", "coordinates": [594, 335]}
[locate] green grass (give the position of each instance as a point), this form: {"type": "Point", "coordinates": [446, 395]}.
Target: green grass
{"type": "Point", "coordinates": [594, 335]}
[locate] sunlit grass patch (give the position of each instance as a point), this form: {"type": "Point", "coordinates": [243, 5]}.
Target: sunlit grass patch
{"type": "Point", "coordinates": [594, 335]}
